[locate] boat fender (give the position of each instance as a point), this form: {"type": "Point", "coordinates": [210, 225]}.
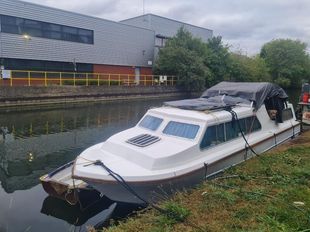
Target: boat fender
{"type": "Point", "coordinates": [206, 170]}
{"type": "Point", "coordinates": [246, 152]}
{"type": "Point", "coordinates": [275, 139]}
{"type": "Point", "coordinates": [293, 136]}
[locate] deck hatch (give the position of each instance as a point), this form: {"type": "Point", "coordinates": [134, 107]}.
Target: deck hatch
{"type": "Point", "coordinates": [143, 140]}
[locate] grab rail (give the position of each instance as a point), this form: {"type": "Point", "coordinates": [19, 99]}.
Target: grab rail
{"type": "Point", "coordinates": [47, 78]}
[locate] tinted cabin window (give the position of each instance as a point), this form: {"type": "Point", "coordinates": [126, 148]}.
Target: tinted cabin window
{"type": "Point", "coordinates": [254, 124]}
{"type": "Point", "coordinates": [151, 122]}
{"type": "Point", "coordinates": [213, 136]}
{"type": "Point", "coordinates": [231, 129]}
{"type": "Point", "coordinates": [227, 131]}
{"type": "Point", "coordinates": [180, 129]}
{"type": "Point", "coordinates": [287, 114]}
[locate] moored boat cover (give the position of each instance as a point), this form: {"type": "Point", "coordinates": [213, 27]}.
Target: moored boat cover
{"type": "Point", "coordinates": [226, 94]}
{"type": "Point", "coordinates": [252, 91]}
{"type": "Point", "coordinates": [212, 103]}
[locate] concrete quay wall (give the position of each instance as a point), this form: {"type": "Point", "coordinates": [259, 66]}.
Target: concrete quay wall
{"type": "Point", "coordinates": [40, 95]}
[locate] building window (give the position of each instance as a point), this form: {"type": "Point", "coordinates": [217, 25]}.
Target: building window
{"type": "Point", "coordinates": [39, 65]}
{"type": "Point", "coordinates": [15, 25]}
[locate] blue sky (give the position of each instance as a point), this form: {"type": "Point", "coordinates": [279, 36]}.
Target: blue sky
{"type": "Point", "coordinates": [244, 24]}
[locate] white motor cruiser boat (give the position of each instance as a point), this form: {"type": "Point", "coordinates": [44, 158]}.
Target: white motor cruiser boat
{"type": "Point", "coordinates": [181, 143]}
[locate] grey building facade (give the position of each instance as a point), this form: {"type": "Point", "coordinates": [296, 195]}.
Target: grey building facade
{"type": "Point", "coordinates": [166, 28]}
{"type": "Point", "coordinates": [43, 38]}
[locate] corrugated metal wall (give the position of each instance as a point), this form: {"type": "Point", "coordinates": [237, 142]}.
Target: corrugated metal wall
{"type": "Point", "coordinates": [167, 27]}
{"type": "Point", "coordinates": [114, 43]}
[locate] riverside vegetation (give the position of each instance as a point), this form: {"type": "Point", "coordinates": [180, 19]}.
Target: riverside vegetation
{"type": "Point", "coordinates": [270, 192]}
{"type": "Point", "coordinates": [201, 64]}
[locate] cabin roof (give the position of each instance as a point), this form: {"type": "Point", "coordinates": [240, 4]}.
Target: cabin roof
{"type": "Point", "coordinates": [201, 116]}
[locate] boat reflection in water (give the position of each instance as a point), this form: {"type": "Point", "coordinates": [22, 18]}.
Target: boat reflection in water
{"type": "Point", "coordinates": [35, 142]}
{"type": "Point", "coordinates": [41, 142]}
{"type": "Point", "coordinates": [97, 213]}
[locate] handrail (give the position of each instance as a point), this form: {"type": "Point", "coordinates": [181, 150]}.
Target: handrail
{"type": "Point", "coordinates": [48, 78]}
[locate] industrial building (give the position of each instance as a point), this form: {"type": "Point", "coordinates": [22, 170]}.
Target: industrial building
{"type": "Point", "coordinates": [35, 37]}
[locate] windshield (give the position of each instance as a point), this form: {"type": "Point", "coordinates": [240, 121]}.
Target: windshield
{"type": "Point", "coordinates": [150, 122]}
{"type": "Point", "coordinates": [180, 129]}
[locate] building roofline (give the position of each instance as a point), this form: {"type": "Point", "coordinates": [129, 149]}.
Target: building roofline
{"type": "Point", "coordinates": [124, 20]}
{"type": "Point", "coordinates": [79, 14]}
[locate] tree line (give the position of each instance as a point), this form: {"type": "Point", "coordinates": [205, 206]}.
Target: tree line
{"type": "Point", "coordinates": [200, 65]}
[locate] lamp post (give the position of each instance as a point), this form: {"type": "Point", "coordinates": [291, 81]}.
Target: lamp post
{"type": "Point", "coordinates": [1, 57]}
{"type": "Point", "coordinates": [26, 37]}
{"type": "Point", "coordinates": [74, 64]}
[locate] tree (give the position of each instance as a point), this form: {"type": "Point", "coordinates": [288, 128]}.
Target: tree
{"type": "Point", "coordinates": [287, 61]}
{"type": "Point", "coordinates": [217, 60]}
{"type": "Point", "coordinates": [183, 56]}
{"type": "Point", "coordinates": [244, 68]}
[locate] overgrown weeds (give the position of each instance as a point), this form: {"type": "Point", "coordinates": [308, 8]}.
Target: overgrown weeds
{"type": "Point", "coordinates": [267, 193]}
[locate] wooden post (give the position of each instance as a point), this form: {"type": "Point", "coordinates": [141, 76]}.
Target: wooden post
{"type": "Point", "coordinates": [60, 79]}
{"type": "Point", "coordinates": [29, 78]}
{"type": "Point", "coordinates": [98, 79]}
{"type": "Point", "coordinates": [11, 79]}
{"type": "Point", "coordinates": [109, 79]}
{"type": "Point", "coordinates": [74, 79]}
{"type": "Point", "coordinates": [119, 79]}
{"type": "Point", "coordinates": [45, 79]}
{"type": "Point", "coordinates": [86, 79]}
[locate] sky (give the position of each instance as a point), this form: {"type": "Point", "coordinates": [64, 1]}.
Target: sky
{"type": "Point", "coordinates": [245, 25]}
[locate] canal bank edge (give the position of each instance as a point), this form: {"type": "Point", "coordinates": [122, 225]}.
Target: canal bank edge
{"type": "Point", "coordinates": [40, 95]}
{"type": "Point", "coordinates": [267, 193]}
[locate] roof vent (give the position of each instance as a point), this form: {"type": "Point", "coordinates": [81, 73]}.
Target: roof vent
{"type": "Point", "coordinates": [143, 140]}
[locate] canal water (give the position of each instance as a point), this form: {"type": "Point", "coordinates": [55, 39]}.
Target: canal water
{"type": "Point", "coordinates": [34, 142]}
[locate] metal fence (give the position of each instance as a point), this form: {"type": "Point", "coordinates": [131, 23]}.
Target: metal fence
{"type": "Point", "coordinates": [42, 78]}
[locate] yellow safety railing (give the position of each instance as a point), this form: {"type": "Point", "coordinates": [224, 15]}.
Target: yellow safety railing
{"type": "Point", "coordinates": [42, 78]}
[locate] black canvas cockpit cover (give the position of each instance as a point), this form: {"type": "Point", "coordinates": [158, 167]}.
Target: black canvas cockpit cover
{"type": "Point", "coordinates": [211, 103]}
{"type": "Point", "coordinates": [251, 91]}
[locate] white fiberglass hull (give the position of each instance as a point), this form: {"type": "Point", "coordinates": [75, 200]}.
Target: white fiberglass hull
{"type": "Point", "coordinates": [153, 191]}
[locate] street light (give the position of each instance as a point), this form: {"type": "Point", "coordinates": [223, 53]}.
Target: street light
{"type": "Point", "coordinates": [26, 37]}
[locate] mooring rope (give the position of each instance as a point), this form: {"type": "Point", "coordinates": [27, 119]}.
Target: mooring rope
{"type": "Point", "coordinates": [235, 118]}
{"type": "Point", "coordinates": [120, 180]}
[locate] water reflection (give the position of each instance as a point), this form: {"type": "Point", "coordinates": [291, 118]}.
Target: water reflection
{"type": "Point", "coordinates": [32, 143]}
{"type": "Point", "coordinates": [40, 141]}
{"type": "Point", "coordinates": [97, 213]}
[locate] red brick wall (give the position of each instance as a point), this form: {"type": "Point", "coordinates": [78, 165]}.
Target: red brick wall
{"type": "Point", "coordinates": [146, 71]}
{"type": "Point", "coordinates": [114, 69]}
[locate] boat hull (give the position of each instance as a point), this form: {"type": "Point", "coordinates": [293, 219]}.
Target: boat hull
{"type": "Point", "coordinates": [70, 190]}
{"type": "Point", "coordinates": [152, 191]}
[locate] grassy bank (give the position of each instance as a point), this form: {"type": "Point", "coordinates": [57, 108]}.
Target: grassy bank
{"type": "Point", "coordinates": [267, 193]}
